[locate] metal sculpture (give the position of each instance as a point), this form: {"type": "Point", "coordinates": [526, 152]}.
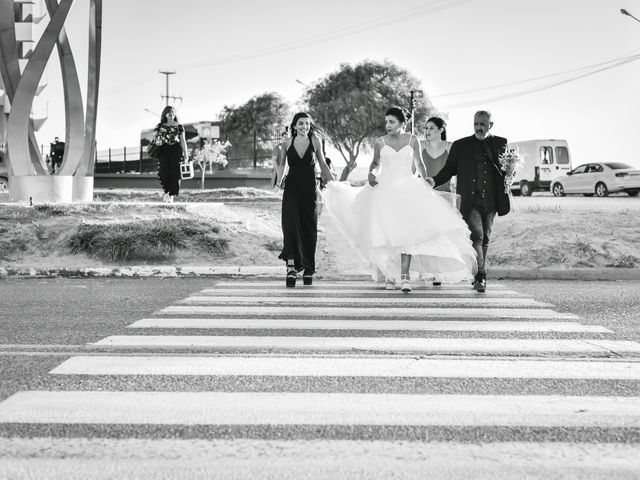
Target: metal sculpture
{"type": "Point", "coordinates": [28, 175]}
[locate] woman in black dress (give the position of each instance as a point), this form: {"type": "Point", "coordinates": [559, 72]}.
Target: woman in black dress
{"type": "Point", "coordinates": [173, 148]}
{"type": "Point", "coordinates": [302, 151]}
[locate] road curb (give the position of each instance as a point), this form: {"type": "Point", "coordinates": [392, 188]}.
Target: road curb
{"type": "Point", "coordinates": [594, 274]}
{"type": "Point", "coordinates": [162, 271]}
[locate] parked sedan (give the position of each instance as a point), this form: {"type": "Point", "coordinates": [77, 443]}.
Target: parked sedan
{"type": "Point", "coordinates": [598, 179]}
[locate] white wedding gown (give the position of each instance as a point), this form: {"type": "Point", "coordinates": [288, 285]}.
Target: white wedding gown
{"type": "Point", "coordinates": [403, 214]}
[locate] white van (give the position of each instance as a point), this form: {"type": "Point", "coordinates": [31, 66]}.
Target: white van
{"type": "Point", "coordinates": [544, 160]}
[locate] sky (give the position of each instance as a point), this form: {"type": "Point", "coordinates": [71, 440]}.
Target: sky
{"type": "Point", "coordinates": [532, 64]}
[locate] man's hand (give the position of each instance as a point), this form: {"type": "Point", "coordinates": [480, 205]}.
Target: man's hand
{"type": "Point", "coordinates": [430, 181]}
{"type": "Point", "coordinates": [373, 181]}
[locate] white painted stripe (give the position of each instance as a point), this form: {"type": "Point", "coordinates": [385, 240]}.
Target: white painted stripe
{"type": "Point", "coordinates": [308, 292]}
{"type": "Point", "coordinates": [329, 284]}
{"type": "Point", "coordinates": [263, 408]}
{"type": "Point", "coordinates": [422, 345]}
{"type": "Point", "coordinates": [404, 300]}
{"type": "Point", "coordinates": [370, 312]}
{"type": "Point", "coordinates": [145, 459]}
{"type": "Point", "coordinates": [337, 324]}
{"type": "Point", "coordinates": [350, 367]}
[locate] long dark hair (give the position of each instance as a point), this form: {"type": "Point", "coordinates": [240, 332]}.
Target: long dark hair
{"type": "Point", "coordinates": [314, 130]}
{"type": "Point", "coordinates": [401, 113]}
{"type": "Point", "coordinates": [441, 124]}
{"type": "Point", "coordinates": [165, 110]}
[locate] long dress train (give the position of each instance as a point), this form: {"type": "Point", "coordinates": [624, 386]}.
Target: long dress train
{"type": "Point", "coordinates": [403, 214]}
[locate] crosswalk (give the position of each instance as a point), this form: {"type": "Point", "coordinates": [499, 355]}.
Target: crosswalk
{"type": "Point", "coordinates": [255, 367]}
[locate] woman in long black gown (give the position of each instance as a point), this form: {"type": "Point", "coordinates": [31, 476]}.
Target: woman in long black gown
{"type": "Point", "coordinates": [303, 152]}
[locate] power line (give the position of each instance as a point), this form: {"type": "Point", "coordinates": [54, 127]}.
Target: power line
{"type": "Point", "coordinates": [532, 79]}
{"type": "Point", "coordinates": [389, 19]}
{"type": "Point", "coordinates": [499, 98]}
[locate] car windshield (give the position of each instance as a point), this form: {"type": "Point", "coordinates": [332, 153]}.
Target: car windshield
{"type": "Point", "coordinates": [617, 165]}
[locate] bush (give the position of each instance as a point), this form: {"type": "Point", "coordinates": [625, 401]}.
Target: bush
{"type": "Point", "coordinates": [145, 240]}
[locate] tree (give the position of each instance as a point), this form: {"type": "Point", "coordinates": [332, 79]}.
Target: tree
{"type": "Point", "coordinates": [349, 104]}
{"type": "Point", "coordinates": [264, 116]}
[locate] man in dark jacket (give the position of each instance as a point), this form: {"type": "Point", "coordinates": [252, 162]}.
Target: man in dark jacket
{"type": "Point", "coordinates": [480, 184]}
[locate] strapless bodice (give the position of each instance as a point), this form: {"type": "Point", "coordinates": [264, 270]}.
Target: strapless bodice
{"type": "Point", "coordinates": [395, 164]}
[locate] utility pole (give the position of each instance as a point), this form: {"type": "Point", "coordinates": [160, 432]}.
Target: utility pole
{"type": "Point", "coordinates": [166, 96]}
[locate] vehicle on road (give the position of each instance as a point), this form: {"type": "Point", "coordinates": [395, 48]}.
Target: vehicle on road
{"type": "Point", "coordinates": [544, 159]}
{"type": "Point", "coordinates": [4, 175]}
{"type": "Point", "coordinates": [599, 179]}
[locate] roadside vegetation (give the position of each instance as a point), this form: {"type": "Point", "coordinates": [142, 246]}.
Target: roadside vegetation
{"type": "Point", "coordinates": [242, 227]}
{"type": "Point", "coordinates": [146, 239]}
{"type": "Point", "coordinates": [238, 194]}
{"type": "Point", "coordinates": [560, 236]}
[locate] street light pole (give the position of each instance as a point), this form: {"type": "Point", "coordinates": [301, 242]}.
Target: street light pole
{"type": "Point", "coordinates": [625, 12]}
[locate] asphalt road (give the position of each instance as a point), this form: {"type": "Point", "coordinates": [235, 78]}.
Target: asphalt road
{"type": "Point", "coordinates": [45, 322]}
{"type": "Point", "coordinates": [63, 311]}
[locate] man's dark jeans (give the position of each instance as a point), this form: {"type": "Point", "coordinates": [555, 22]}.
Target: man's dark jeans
{"type": "Point", "coordinates": [480, 223]}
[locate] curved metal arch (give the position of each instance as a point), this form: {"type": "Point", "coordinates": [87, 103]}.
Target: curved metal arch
{"type": "Point", "coordinates": [19, 117]}
{"type": "Point", "coordinates": [87, 161]}
{"type": "Point", "coordinates": [10, 71]}
{"type": "Point", "coordinates": [74, 109]}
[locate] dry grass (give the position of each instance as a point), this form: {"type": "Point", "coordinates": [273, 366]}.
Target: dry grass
{"type": "Point", "coordinates": [207, 195]}
{"type": "Point", "coordinates": [145, 239]}
{"type": "Point", "coordinates": [17, 239]}
{"type": "Point", "coordinates": [107, 232]}
{"type": "Point", "coordinates": [564, 238]}
{"type": "Point", "coordinates": [546, 232]}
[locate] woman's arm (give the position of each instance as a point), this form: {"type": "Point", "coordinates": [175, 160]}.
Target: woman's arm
{"type": "Point", "coordinates": [325, 171]}
{"type": "Point", "coordinates": [375, 164]}
{"type": "Point", "coordinates": [156, 134]}
{"type": "Point", "coordinates": [183, 143]}
{"type": "Point", "coordinates": [282, 159]}
{"type": "Point", "coordinates": [417, 156]}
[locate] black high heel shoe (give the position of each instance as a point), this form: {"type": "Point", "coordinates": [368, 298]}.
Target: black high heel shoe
{"type": "Point", "coordinates": [307, 278]}
{"type": "Point", "coordinates": [292, 275]}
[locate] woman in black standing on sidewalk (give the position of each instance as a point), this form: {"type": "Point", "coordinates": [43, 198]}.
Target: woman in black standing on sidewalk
{"type": "Point", "coordinates": [299, 200]}
{"type": "Point", "coordinates": [173, 148]}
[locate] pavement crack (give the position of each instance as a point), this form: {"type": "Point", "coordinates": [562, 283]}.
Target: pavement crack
{"type": "Point", "coordinates": [611, 352]}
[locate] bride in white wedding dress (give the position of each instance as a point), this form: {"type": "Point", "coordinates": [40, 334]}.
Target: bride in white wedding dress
{"type": "Point", "coordinates": [398, 223]}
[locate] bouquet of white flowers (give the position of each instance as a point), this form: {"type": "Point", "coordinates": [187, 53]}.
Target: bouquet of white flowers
{"type": "Point", "coordinates": [510, 161]}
